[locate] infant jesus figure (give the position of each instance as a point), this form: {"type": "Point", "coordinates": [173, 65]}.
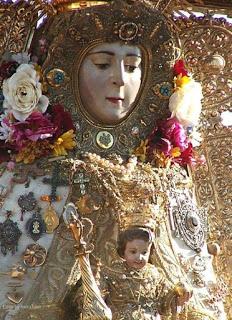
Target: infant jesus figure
{"type": "Point", "coordinates": [135, 289]}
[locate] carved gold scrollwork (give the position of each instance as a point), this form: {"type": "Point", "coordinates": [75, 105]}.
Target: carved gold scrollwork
{"type": "Point", "coordinates": [206, 47]}
{"type": "Point", "coordinates": [17, 23]}
{"type": "Point", "coordinates": [207, 52]}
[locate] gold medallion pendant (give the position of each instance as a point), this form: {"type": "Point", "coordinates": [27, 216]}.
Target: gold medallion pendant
{"type": "Point", "coordinates": [51, 219]}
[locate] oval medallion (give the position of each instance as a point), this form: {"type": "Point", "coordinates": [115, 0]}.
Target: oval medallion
{"type": "Point", "coordinates": [104, 139]}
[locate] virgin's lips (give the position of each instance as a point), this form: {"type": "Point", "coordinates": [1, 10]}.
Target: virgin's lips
{"type": "Point", "coordinates": [114, 99]}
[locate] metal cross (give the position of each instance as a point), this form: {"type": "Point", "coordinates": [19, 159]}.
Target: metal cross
{"type": "Point", "coordinates": [79, 178]}
{"type": "Point", "coordinates": [55, 181]}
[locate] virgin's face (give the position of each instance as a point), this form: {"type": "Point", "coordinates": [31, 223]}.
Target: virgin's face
{"type": "Point", "coordinates": [109, 80]}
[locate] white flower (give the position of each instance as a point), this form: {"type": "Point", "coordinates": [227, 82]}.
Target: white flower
{"type": "Point", "coordinates": [185, 103]}
{"type": "Point", "coordinates": [22, 57]}
{"type": "Point", "coordinates": [5, 130]}
{"type": "Point", "coordinates": [23, 94]}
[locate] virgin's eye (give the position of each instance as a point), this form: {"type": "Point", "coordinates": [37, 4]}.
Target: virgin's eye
{"type": "Point", "coordinates": [130, 68]}
{"type": "Point", "coordinates": [102, 66]}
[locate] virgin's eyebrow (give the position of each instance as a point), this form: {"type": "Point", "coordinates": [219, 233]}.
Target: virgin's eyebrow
{"type": "Point", "coordinates": [110, 53]}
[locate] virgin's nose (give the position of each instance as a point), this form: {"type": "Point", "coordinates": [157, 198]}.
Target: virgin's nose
{"type": "Point", "coordinates": [118, 76]}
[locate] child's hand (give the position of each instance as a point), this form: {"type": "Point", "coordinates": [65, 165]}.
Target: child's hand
{"type": "Point", "coordinates": [183, 294]}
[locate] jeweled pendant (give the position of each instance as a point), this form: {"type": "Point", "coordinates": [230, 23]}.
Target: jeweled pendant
{"type": "Point", "coordinates": [27, 202]}
{"type": "Point", "coordinates": [35, 226]}
{"type": "Point", "coordinates": [51, 219]}
{"type": "Point", "coordinates": [9, 236]}
{"type": "Point", "coordinates": [34, 255]}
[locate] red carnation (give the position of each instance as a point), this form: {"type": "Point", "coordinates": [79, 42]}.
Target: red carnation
{"type": "Point", "coordinates": [179, 68]}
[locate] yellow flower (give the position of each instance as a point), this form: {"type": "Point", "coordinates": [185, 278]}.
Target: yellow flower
{"type": "Point", "coordinates": [33, 150]}
{"type": "Point", "coordinates": [180, 81]}
{"type": "Point", "coordinates": [161, 160]}
{"type": "Point", "coordinates": [63, 143]}
{"type": "Point", "coordinates": [141, 150]}
{"type": "Point", "coordinates": [25, 156]}
{"type": "Point", "coordinates": [175, 152]}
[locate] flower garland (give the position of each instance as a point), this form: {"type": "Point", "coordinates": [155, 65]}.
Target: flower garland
{"type": "Point", "coordinates": [30, 128]}
{"type": "Point", "coordinates": [172, 140]}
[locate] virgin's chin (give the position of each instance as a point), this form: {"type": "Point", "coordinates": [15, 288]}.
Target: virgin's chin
{"type": "Point", "coordinates": [113, 120]}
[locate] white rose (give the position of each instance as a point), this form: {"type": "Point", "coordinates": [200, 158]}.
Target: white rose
{"type": "Point", "coordinates": [185, 103]}
{"type": "Point", "coordinates": [23, 94]}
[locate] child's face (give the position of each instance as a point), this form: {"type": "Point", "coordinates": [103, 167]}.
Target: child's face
{"type": "Point", "coordinates": [137, 253]}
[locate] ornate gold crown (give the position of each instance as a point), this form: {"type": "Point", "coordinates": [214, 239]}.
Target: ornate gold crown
{"type": "Point", "coordinates": [145, 215]}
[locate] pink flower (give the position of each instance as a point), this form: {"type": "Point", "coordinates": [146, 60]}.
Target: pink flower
{"type": "Point", "coordinates": [173, 131]}
{"type": "Point", "coordinates": [10, 165]}
{"type": "Point", "coordinates": [168, 134]}
{"type": "Point", "coordinates": [170, 139]}
{"type": "Point", "coordinates": [36, 127]}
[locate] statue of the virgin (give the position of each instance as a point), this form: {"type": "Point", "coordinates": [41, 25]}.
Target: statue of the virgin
{"type": "Point", "coordinates": [90, 115]}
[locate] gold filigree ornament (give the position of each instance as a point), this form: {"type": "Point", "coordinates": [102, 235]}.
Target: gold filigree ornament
{"type": "Point", "coordinates": [73, 34]}
{"type": "Point", "coordinates": [94, 307]}
{"type": "Point", "coordinates": [51, 219]}
{"type": "Point", "coordinates": [34, 255]}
